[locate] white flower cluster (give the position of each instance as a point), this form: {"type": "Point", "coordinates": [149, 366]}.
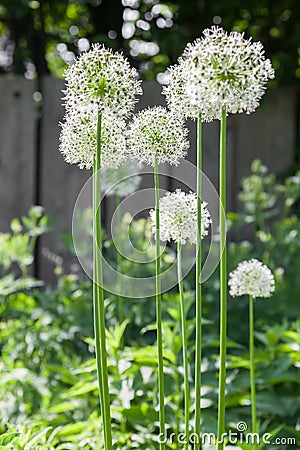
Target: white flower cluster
{"type": "Point", "coordinates": [176, 94]}
{"type": "Point", "coordinates": [219, 71]}
{"type": "Point", "coordinates": [78, 140]}
{"type": "Point", "coordinates": [178, 217]}
{"type": "Point", "coordinates": [157, 133]}
{"type": "Point", "coordinates": [102, 78]}
{"type": "Point", "coordinates": [251, 278]}
{"type": "Point", "coordinates": [99, 82]}
{"type": "Point", "coordinates": [122, 181]}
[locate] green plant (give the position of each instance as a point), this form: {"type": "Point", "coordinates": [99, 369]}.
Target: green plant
{"type": "Point", "coordinates": [48, 381]}
{"type": "Point", "coordinates": [17, 250]}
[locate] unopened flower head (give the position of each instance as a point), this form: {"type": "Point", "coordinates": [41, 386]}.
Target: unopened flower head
{"type": "Point", "coordinates": [78, 139]}
{"type": "Point", "coordinates": [251, 278]}
{"type": "Point", "coordinates": [122, 181]}
{"type": "Point", "coordinates": [178, 217]}
{"type": "Point", "coordinates": [226, 71]}
{"type": "Point", "coordinates": [157, 133]}
{"type": "Point", "coordinates": [102, 78]}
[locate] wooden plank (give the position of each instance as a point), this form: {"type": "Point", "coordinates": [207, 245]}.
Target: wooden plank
{"type": "Point", "coordinates": [60, 183]}
{"type": "Point", "coordinates": [263, 134]}
{"type": "Point", "coordinates": [17, 147]}
{"type": "Point", "coordinates": [269, 134]}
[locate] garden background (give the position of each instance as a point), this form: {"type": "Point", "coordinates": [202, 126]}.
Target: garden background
{"type": "Point", "coordinates": [45, 331]}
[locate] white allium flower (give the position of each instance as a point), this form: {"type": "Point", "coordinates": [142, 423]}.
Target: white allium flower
{"type": "Point", "coordinates": [251, 278]}
{"type": "Point", "coordinates": [102, 78]}
{"type": "Point", "coordinates": [78, 139]}
{"type": "Point", "coordinates": [122, 181]}
{"type": "Point", "coordinates": [220, 70]}
{"type": "Point", "coordinates": [157, 132]}
{"type": "Point", "coordinates": [176, 94]}
{"type": "Point", "coordinates": [178, 217]}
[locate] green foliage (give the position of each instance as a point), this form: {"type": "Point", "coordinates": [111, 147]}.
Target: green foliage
{"type": "Point", "coordinates": [47, 34]}
{"type": "Point", "coordinates": [17, 250]}
{"type": "Point", "coordinates": [48, 386]}
{"type": "Point", "coordinates": [270, 209]}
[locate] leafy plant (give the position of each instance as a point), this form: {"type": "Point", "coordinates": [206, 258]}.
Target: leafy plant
{"type": "Point", "coordinates": [48, 385]}
{"type": "Point", "coordinates": [17, 250]}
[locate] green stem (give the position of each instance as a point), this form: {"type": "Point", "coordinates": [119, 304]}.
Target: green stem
{"type": "Point", "coordinates": [198, 289]}
{"type": "Point", "coordinates": [177, 405]}
{"type": "Point", "coordinates": [119, 264]}
{"type": "Point", "coordinates": [184, 350]}
{"type": "Point", "coordinates": [223, 284]}
{"type": "Point", "coordinates": [161, 388]}
{"type": "Point", "coordinates": [32, 244]}
{"type": "Point", "coordinates": [252, 367]}
{"type": "Point", "coordinates": [98, 298]}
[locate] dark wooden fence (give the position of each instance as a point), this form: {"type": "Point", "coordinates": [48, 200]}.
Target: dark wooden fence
{"type": "Point", "coordinates": [32, 171]}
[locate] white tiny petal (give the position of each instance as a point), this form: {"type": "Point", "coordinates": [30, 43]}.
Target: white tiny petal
{"type": "Point", "coordinates": [78, 139]}
{"type": "Point", "coordinates": [178, 217]}
{"type": "Point", "coordinates": [251, 278]}
{"type": "Point", "coordinates": [219, 71]}
{"type": "Point", "coordinates": [157, 131]}
{"type": "Point", "coordinates": [104, 79]}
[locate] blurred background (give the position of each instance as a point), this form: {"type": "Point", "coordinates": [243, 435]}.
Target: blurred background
{"type": "Point", "coordinates": [48, 393]}
{"type": "Point", "coordinates": [38, 39]}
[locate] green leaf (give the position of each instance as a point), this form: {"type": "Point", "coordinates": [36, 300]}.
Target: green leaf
{"type": "Point", "coordinates": [7, 438]}
{"type": "Point", "coordinates": [37, 438]}
{"type": "Point", "coordinates": [80, 388]}
{"type": "Point", "coordinates": [72, 429]}
{"type": "Point", "coordinates": [61, 407]}
{"type": "Point", "coordinates": [10, 285]}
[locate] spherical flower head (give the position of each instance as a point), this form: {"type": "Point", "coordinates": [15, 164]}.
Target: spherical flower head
{"type": "Point", "coordinates": [176, 94]}
{"type": "Point", "coordinates": [78, 139]}
{"type": "Point", "coordinates": [178, 217]}
{"type": "Point", "coordinates": [251, 278]}
{"type": "Point", "coordinates": [226, 71]}
{"type": "Point", "coordinates": [122, 181]}
{"type": "Point", "coordinates": [102, 78]}
{"type": "Point", "coordinates": [157, 133]}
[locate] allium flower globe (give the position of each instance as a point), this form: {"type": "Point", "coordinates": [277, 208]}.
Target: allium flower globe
{"type": "Point", "coordinates": [157, 132]}
{"type": "Point", "coordinates": [225, 71]}
{"type": "Point", "coordinates": [251, 278]}
{"type": "Point", "coordinates": [78, 139]}
{"type": "Point", "coordinates": [102, 78]}
{"type": "Point", "coordinates": [122, 181]}
{"type": "Point", "coordinates": [178, 217]}
{"type": "Point", "coordinates": [176, 94]}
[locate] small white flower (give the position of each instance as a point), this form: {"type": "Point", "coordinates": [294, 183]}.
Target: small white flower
{"type": "Point", "coordinates": [157, 132]}
{"type": "Point", "coordinates": [102, 78]}
{"type": "Point", "coordinates": [78, 139]}
{"type": "Point", "coordinates": [251, 278]}
{"type": "Point", "coordinates": [176, 94]}
{"type": "Point", "coordinates": [178, 217]}
{"type": "Point", "coordinates": [219, 71]}
{"type": "Point", "coordinates": [122, 181]}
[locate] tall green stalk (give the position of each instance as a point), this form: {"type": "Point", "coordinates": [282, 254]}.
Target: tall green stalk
{"type": "Point", "coordinates": [223, 284]}
{"type": "Point", "coordinates": [119, 264]}
{"type": "Point", "coordinates": [98, 298]}
{"type": "Point", "coordinates": [177, 406]}
{"type": "Point", "coordinates": [252, 368]}
{"type": "Point", "coordinates": [184, 350]}
{"type": "Point", "coordinates": [161, 387]}
{"type": "Point", "coordinates": [198, 290]}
